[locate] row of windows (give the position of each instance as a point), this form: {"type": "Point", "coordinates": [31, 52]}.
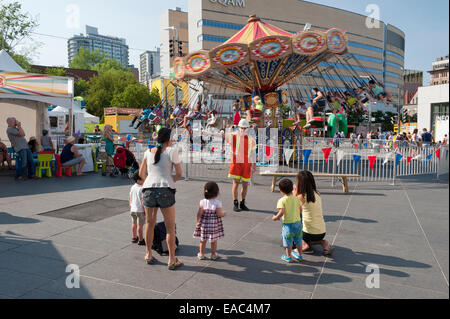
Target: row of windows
{"type": "Point", "coordinates": [395, 65]}
{"type": "Point", "coordinates": [393, 75]}
{"type": "Point", "coordinates": [394, 54]}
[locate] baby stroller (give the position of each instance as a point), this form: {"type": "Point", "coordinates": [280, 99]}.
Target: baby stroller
{"type": "Point", "coordinates": [124, 163]}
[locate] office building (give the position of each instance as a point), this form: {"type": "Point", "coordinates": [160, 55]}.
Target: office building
{"type": "Point", "coordinates": [149, 65]}
{"type": "Point", "coordinates": [439, 73]}
{"type": "Point", "coordinates": [114, 48]}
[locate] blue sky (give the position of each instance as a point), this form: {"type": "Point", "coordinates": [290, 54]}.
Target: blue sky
{"type": "Point", "coordinates": [425, 23]}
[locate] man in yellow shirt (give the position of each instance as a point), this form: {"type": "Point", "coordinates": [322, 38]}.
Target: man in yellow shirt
{"type": "Point", "coordinates": [289, 211]}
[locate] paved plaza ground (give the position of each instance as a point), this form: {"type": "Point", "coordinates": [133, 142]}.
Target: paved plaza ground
{"type": "Point", "coordinates": [403, 230]}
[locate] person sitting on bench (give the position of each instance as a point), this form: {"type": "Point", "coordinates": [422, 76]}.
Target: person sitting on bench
{"type": "Point", "coordinates": [256, 110]}
{"type": "Point", "coordinates": [318, 105]}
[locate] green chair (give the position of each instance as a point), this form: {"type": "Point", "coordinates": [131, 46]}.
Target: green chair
{"type": "Point", "coordinates": [98, 164]}
{"type": "Point", "coordinates": [44, 161]}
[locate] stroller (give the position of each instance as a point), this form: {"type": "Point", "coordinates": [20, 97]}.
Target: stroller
{"type": "Point", "coordinates": [124, 163]}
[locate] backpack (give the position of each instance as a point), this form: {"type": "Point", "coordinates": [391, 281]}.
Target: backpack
{"type": "Point", "coordinates": [159, 239]}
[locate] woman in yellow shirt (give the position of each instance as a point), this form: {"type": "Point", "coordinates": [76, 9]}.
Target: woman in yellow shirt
{"type": "Point", "coordinates": [314, 229]}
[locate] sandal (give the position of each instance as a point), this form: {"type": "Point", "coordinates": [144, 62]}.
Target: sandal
{"type": "Point", "coordinates": [329, 251]}
{"type": "Point", "coordinates": [151, 261]}
{"type": "Point", "coordinates": [175, 265]}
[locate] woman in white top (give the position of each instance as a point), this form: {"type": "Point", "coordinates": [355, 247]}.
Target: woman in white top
{"type": "Point", "coordinates": [159, 192]}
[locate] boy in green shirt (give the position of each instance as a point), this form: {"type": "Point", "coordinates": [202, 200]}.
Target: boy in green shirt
{"type": "Point", "coordinates": [289, 211]}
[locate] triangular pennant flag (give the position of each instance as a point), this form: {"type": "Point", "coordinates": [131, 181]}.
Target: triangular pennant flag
{"type": "Point", "coordinates": [306, 154]}
{"type": "Point", "coordinates": [355, 145]}
{"type": "Point", "coordinates": [365, 145]}
{"type": "Point", "coordinates": [408, 160]}
{"type": "Point", "coordinates": [331, 142]}
{"type": "Point", "coordinates": [372, 160]}
{"type": "Point", "coordinates": [429, 157]}
{"type": "Point", "coordinates": [387, 158]}
{"type": "Point", "coordinates": [288, 154]}
{"type": "Point", "coordinates": [398, 158]}
{"type": "Point", "coordinates": [316, 142]}
{"type": "Point", "coordinates": [356, 159]}
{"type": "Point", "coordinates": [269, 151]}
{"type": "Point", "coordinates": [438, 153]}
{"type": "Point", "coordinates": [446, 154]}
{"type": "Point", "coordinates": [326, 153]}
{"type": "Point", "coordinates": [340, 156]}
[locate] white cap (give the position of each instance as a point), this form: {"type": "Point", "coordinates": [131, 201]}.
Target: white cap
{"type": "Point", "coordinates": [244, 123]}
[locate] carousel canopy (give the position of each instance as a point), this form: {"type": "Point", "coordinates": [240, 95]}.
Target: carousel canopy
{"type": "Point", "coordinates": [261, 57]}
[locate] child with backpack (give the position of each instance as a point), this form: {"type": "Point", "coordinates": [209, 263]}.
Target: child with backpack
{"type": "Point", "coordinates": [289, 207]}
{"type": "Point", "coordinates": [137, 210]}
{"type": "Point", "coordinates": [209, 221]}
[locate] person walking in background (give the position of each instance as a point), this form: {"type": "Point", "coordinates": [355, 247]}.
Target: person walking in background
{"type": "Point", "coordinates": [314, 229]}
{"type": "Point", "coordinates": [209, 221]}
{"type": "Point", "coordinates": [137, 210]}
{"type": "Point", "coordinates": [16, 136]}
{"type": "Point", "coordinates": [46, 142]}
{"type": "Point", "coordinates": [427, 138]}
{"type": "Point", "coordinates": [289, 207]}
{"type": "Point", "coordinates": [108, 137]}
{"type": "Point", "coordinates": [159, 192]}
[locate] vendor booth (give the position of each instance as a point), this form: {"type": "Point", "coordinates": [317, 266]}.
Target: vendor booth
{"type": "Point", "coordinates": [27, 96]}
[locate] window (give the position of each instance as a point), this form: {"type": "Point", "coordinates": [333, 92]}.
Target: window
{"type": "Point", "coordinates": [53, 121]}
{"type": "Point", "coordinates": [438, 109]}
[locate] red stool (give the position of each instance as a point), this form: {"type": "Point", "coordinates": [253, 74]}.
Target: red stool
{"type": "Point", "coordinates": [59, 168]}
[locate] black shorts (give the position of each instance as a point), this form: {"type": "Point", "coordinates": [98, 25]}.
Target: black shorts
{"type": "Point", "coordinates": [319, 106]}
{"type": "Point", "coordinates": [308, 238]}
{"type": "Point", "coordinates": [159, 197]}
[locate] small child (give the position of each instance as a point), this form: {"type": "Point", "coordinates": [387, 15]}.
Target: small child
{"type": "Point", "coordinates": [290, 210]}
{"type": "Point", "coordinates": [137, 210]}
{"type": "Point", "coordinates": [209, 221]}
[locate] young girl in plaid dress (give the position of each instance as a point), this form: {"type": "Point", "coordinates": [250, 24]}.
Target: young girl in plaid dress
{"type": "Point", "coordinates": [209, 221]}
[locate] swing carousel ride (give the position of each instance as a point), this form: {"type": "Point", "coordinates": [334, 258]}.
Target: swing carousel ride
{"type": "Point", "coordinates": [261, 58]}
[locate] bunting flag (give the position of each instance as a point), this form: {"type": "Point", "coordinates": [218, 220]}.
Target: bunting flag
{"type": "Point", "coordinates": [288, 154]}
{"type": "Point", "coordinates": [340, 156]}
{"type": "Point", "coordinates": [331, 142]}
{"type": "Point", "coordinates": [372, 160]}
{"type": "Point", "coordinates": [355, 145]}
{"type": "Point", "coordinates": [180, 138]}
{"type": "Point", "coordinates": [356, 159]}
{"type": "Point", "coordinates": [446, 154]}
{"type": "Point", "coordinates": [408, 160]}
{"type": "Point", "coordinates": [326, 153]}
{"type": "Point", "coordinates": [365, 145]}
{"type": "Point", "coordinates": [387, 158]}
{"type": "Point", "coordinates": [306, 154]}
{"type": "Point", "coordinates": [398, 158]}
{"type": "Point", "coordinates": [429, 157]}
{"type": "Point", "coordinates": [316, 142]}
{"type": "Point", "coordinates": [438, 153]}
{"type": "Point", "coordinates": [269, 151]}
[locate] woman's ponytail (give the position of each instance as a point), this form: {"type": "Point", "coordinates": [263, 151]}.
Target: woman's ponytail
{"type": "Point", "coordinates": [163, 137]}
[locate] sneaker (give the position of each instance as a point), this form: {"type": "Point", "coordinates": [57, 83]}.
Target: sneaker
{"type": "Point", "coordinates": [201, 257]}
{"type": "Point", "coordinates": [236, 206]}
{"type": "Point", "coordinates": [215, 257]}
{"type": "Point", "coordinates": [135, 240]}
{"type": "Point", "coordinates": [141, 242]}
{"type": "Point", "coordinates": [243, 207]}
{"type": "Point", "coordinates": [308, 125]}
{"type": "Point", "coordinates": [287, 259]}
{"type": "Point", "coordinates": [297, 256]}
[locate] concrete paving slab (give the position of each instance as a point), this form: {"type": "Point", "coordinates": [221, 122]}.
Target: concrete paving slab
{"type": "Point", "coordinates": [15, 284]}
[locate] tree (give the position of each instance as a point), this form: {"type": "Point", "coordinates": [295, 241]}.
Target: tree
{"type": "Point", "coordinates": [22, 60]}
{"type": "Point", "coordinates": [81, 88]}
{"type": "Point", "coordinates": [15, 26]}
{"type": "Point", "coordinates": [57, 71]}
{"type": "Point", "coordinates": [87, 60]}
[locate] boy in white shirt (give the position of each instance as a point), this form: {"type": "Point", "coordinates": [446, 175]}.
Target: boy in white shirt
{"type": "Point", "coordinates": [137, 210]}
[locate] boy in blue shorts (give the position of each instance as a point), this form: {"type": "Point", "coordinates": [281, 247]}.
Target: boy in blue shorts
{"type": "Point", "coordinates": [289, 207]}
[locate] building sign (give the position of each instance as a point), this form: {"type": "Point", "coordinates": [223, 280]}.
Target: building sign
{"type": "Point", "coordinates": [121, 111]}
{"type": "Point", "coordinates": [228, 3]}
{"type": "Point", "coordinates": [441, 127]}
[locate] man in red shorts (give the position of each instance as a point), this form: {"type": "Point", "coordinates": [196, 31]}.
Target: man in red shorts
{"type": "Point", "coordinates": [243, 162]}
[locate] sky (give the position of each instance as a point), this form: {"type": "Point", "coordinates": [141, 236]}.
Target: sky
{"type": "Point", "coordinates": [426, 26]}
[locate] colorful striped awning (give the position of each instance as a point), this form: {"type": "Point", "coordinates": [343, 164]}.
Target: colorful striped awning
{"type": "Point", "coordinates": [254, 30]}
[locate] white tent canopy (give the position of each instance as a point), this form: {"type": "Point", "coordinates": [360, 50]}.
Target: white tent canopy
{"type": "Point", "coordinates": [8, 64]}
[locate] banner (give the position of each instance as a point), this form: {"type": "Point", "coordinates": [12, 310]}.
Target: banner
{"type": "Point", "coordinates": [34, 84]}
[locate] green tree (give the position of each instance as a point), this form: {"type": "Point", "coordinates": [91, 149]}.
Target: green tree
{"type": "Point", "coordinates": [57, 71]}
{"type": "Point", "coordinates": [87, 60]}
{"type": "Point", "coordinates": [23, 61]}
{"type": "Point", "coordinates": [15, 26]}
{"type": "Point", "coordinates": [109, 64]}
{"type": "Point", "coordinates": [81, 88]}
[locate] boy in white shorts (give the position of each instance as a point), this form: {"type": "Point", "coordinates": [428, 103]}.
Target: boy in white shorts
{"type": "Point", "coordinates": [137, 210]}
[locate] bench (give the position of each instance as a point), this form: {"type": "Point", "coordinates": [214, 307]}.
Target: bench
{"type": "Point", "coordinates": [343, 178]}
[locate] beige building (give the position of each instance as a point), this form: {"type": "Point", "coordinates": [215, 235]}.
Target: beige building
{"type": "Point", "coordinates": [379, 47]}
{"type": "Point", "coordinates": [439, 74]}
{"type": "Point", "coordinates": [178, 21]}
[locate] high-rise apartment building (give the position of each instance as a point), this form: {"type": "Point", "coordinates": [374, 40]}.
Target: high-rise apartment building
{"type": "Point", "coordinates": [413, 80]}
{"type": "Point", "coordinates": [439, 73]}
{"type": "Point", "coordinates": [149, 65]}
{"type": "Point", "coordinates": [114, 48]}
